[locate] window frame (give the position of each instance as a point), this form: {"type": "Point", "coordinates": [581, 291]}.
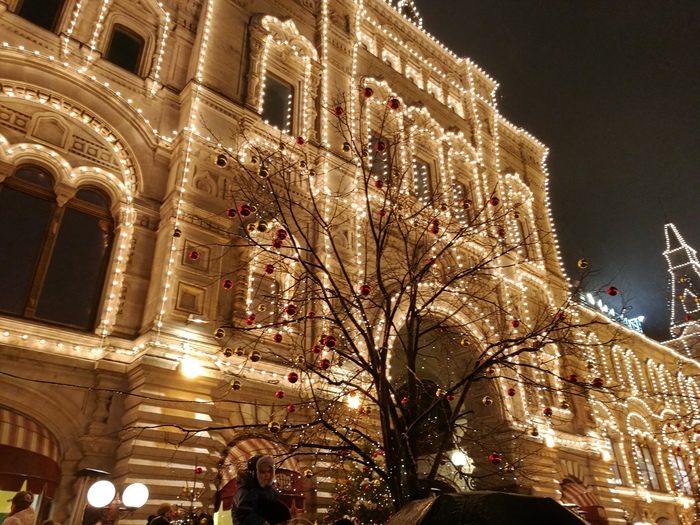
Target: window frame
{"type": "Point", "coordinates": [47, 246]}
{"type": "Point", "coordinates": [291, 106]}
{"type": "Point", "coordinates": [680, 473]}
{"type": "Point", "coordinates": [427, 191]}
{"type": "Point", "coordinates": [645, 466]}
{"type": "Point", "coordinates": [127, 30]}
{"type": "Point", "coordinates": [58, 16]}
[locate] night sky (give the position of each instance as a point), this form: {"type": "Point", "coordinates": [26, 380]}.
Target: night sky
{"type": "Point", "coordinates": [612, 88]}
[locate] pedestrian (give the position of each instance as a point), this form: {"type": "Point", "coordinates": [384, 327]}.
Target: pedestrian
{"type": "Point", "coordinates": [255, 501]}
{"type": "Point", "coordinates": [21, 511]}
{"type": "Point", "coordinates": [163, 515]}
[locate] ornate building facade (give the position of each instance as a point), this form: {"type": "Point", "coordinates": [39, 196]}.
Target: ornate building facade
{"type": "Point", "coordinates": [113, 115]}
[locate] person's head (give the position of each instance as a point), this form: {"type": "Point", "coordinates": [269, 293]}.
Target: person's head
{"type": "Point", "coordinates": [22, 500]}
{"type": "Point", "coordinates": [262, 468]}
{"type": "Point", "coordinates": [165, 510]}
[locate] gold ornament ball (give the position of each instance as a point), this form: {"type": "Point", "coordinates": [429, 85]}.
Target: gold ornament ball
{"type": "Point", "coordinates": [255, 356]}
{"type": "Point", "coordinates": [228, 352]}
{"type": "Point", "coordinates": [262, 307]}
{"type": "Point", "coordinates": [376, 482]}
{"type": "Point", "coordinates": [264, 173]}
{"type": "Point", "coordinates": [300, 359]}
{"type": "Point", "coordinates": [443, 206]}
{"type": "Point", "coordinates": [440, 392]}
{"type": "Point", "coordinates": [516, 214]}
{"type": "Point", "coordinates": [219, 333]}
{"type": "Point", "coordinates": [534, 432]}
{"type": "Point", "coordinates": [283, 146]}
{"type": "Point", "coordinates": [262, 226]}
{"type": "Point", "coordinates": [253, 209]}
{"type": "Point", "coordinates": [236, 384]}
{"type": "Point", "coordinates": [221, 160]}
{"type": "Point", "coordinates": [368, 410]}
{"type": "Point", "coordinates": [346, 147]}
{"type": "Point", "coordinates": [177, 232]}
{"type": "Point", "coordinates": [487, 400]}
{"type": "Point", "coordinates": [564, 405]}
{"type": "Point", "coordinates": [253, 159]}
{"type": "Point", "coordinates": [308, 474]}
{"type": "Point", "coordinates": [274, 427]}
{"type": "Point", "coordinates": [302, 164]}
{"type": "Point", "coordinates": [464, 342]}
{"type": "Point", "coordinates": [239, 351]}
{"type": "Point", "coordinates": [250, 227]}
{"type": "Point", "coordinates": [583, 264]}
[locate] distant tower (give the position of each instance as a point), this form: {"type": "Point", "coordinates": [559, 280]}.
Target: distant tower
{"type": "Point", "coordinates": [684, 267]}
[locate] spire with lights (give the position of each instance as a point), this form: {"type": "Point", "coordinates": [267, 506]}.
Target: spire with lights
{"type": "Point", "coordinates": [684, 267]}
{"type": "Point", "coordinates": [408, 9]}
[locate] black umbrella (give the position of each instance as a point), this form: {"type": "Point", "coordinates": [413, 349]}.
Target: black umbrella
{"type": "Point", "coordinates": [485, 508]}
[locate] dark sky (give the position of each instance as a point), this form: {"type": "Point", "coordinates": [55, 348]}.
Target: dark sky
{"type": "Point", "coordinates": [612, 87]}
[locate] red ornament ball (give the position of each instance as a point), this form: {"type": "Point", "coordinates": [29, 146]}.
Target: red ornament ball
{"type": "Point", "coordinates": [434, 230]}
{"type": "Point", "coordinates": [279, 394]}
{"type": "Point", "coordinates": [394, 104]}
{"type": "Point", "coordinates": [252, 317]}
{"type": "Point", "coordinates": [300, 141]}
{"type": "Point", "coordinates": [245, 211]}
{"type": "Point", "coordinates": [510, 392]}
{"type": "Point", "coordinates": [597, 382]}
{"type": "Point", "coordinates": [316, 349]}
{"type": "Point", "coordinates": [612, 291]}
{"type": "Point", "coordinates": [281, 234]}
{"type": "Point", "coordinates": [495, 458]}
{"type": "Point", "coordinates": [268, 269]}
{"type": "Point", "coordinates": [311, 314]}
{"type": "Point", "coordinates": [277, 244]}
{"type": "Point", "coordinates": [338, 111]}
{"type": "Point", "coordinates": [365, 290]}
{"type": "Point", "coordinates": [688, 317]}
{"type": "Point", "coordinates": [548, 412]}
{"type": "Point", "coordinates": [380, 147]}
{"type": "Point", "coordinates": [450, 397]}
{"type": "Point", "coordinates": [329, 341]}
{"type": "Point", "coordinates": [381, 213]}
{"type": "Point", "coordinates": [561, 316]}
{"type": "Point", "coordinates": [292, 377]}
{"type": "Point", "coordinates": [277, 338]}
{"type": "Point", "coordinates": [515, 323]}
{"type": "Point", "coordinates": [231, 213]}
{"type": "Point", "coordinates": [501, 232]}
{"type": "Point", "coordinates": [290, 310]}
{"type": "Point", "coordinates": [198, 470]}
{"type": "Point", "coordinates": [227, 284]}
{"type": "Point", "coordinates": [194, 255]}
{"type": "Point", "coordinates": [324, 363]}
{"type": "Point", "coordinates": [572, 378]}
{"type": "Point", "coordinates": [291, 408]}
{"type": "Point", "coordinates": [368, 92]}
{"type": "Point", "coordinates": [404, 401]}
{"type": "Point", "coordinates": [494, 201]}
{"type": "Point", "coordinates": [379, 184]}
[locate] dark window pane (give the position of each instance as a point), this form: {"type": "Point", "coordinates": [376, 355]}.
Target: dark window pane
{"type": "Point", "coordinates": [277, 104]}
{"type": "Point", "coordinates": [35, 176]}
{"type": "Point", "coordinates": [74, 278]}
{"type": "Point", "coordinates": [24, 220]}
{"type": "Point", "coordinates": [93, 197]}
{"type": "Point", "coordinates": [43, 13]}
{"type": "Point", "coordinates": [125, 49]}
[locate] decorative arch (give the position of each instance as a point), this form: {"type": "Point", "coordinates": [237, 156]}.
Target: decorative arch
{"type": "Point", "coordinates": [589, 505]}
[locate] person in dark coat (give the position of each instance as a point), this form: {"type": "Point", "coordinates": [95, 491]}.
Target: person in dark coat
{"type": "Point", "coordinates": [255, 501]}
{"type": "Point", "coordinates": [163, 515]}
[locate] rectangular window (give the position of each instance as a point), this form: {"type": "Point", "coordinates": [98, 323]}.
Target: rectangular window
{"type": "Point", "coordinates": [680, 475]}
{"type": "Point", "coordinates": [125, 49]}
{"type": "Point", "coordinates": [614, 463]}
{"type": "Point", "coordinates": [278, 103]}
{"type": "Point", "coordinates": [645, 467]}
{"type": "Point", "coordinates": [44, 13]}
{"type": "Point", "coordinates": [421, 180]}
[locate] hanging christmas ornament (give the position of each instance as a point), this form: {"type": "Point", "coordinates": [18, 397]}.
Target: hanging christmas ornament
{"type": "Point", "coordinates": [443, 206]}
{"type": "Point", "coordinates": [300, 359]}
{"type": "Point", "coordinates": [177, 232]}
{"type": "Point", "coordinates": [368, 92]}
{"type": "Point", "coordinates": [379, 184]}
{"type": "Point", "coordinates": [516, 215]}
{"type": "Point", "coordinates": [281, 234]}
{"type": "Point", "coordinates": [250, 228]}
{"type": "Point", "coordinates": [381, 213]}
{"type": "Point", "coordinates": [450, 397]}
{"type": "Point", "coordinates": [324, 363]}
{"type": "Point", "coordinates": [487, 400]}
{"type": "Point", "coordinates": [560, 316]}
{"type": "Point", "coordinates": [564, 405]}
{"type": "Point", "coordinates": [548, 412]}
{"type": "Point", "coordinates": [329, 341]}
{"type": "Point", "coordinates": [394, 104]}
{"type": "Point", "coordinates": [291, 408]}
{"type": "Point", "coordinates": [612, 291]}
{"type": "Point", "coordinates": [302, 164]}
{"type": "Point", "coordinates": [268, 269]}
{"type": "Point", "coordinates": [346, 147]}
{"type": "Point", "coordinates": [494, 201]}
{"type": "Point", "coordinates": [440, 392]}
{"type": "Point", "coordinates": [277, 338]}
{"type": "Point", "coordinates": [534, 432]}
{"type": "Point", "coordinates": [338, 111]}
{"type": "Point", "coordinates": [244, 210]}
{"type": "Point", "coordinates": [194, 255]}
{"type": "Point", "coordinates": [316, 349]}
{"type": "Point", "coordinates": [221, 160]}
{"type": "Point", "coordinates": [404, 400]}
{"type": "Point", "coordinates": [290, 310]}
{"type": "Point", "coordinates": [511, 392]}
{"type": "Point", "coordinates": [238, 351]}
{"type": "Point", "coordinates": [582, 263]}
{"type": "Point", "coordinates": [228, 352]}
{"type": "Point", "coordinates": [255, 356]}
{"type": "Point", "coordinates": [465, 204]}
{"type": "Point", "coordinates": [515, 323]}
{"type": "Point", "coordinates": [277, 244]}
{"type": "Point", "coordinates": [380, 147]}
{"type": "Point", "coordinates": [312, 172]}
{"type": "Point", "coordinates": [279, 394]}
{"type": "Point", "coordinates": [253, 159]}
{"type": "Point", "coordinates": [261, 226]}
{"type": "Point", "coordinates": [292, 377]}
{"type": "Point", "coordinates": [219, 333]}
{"type": "Point", "coordinates": [264, 172]}
{"type": "Point", "coordinates": [501, 232]}
{"type": "Point", "coordinates": [282, 146]}
{"type": "Point", "coordinates": [495, 458]}
{"type": "Point", "coordinates": [597, 382]}
{"type": "Point", "coordinates": [308, 474]}
{"type": "Point", "coordinates": [572, 378]}
{"type": "Point", "coordinates": [274, 427]}
{"type": "Point", "coordinates": [227, 284]}
{"type": "Point", "coordinates": [300, 141]}
{"type": "Point", "coordinates": [251, 318]}
{"type": "Point", "coordinates": [236, 384]}
{"type": "Point", "coordinates": [231, 213]}
{"type": "Point", "coordinates": [365, 290]}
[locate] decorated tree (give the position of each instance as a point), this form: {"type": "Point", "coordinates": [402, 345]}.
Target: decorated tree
{"type": "Point", "coordinates": [405, 303]}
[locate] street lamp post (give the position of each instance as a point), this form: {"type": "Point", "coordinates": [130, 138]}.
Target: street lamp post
{"type": "Point", "coordinates": [103, 495]}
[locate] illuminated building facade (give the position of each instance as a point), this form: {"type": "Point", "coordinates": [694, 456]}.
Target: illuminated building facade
{"type": "Point", "coordinates": [111, 116]}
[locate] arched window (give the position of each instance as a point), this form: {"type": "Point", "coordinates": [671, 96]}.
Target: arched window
{"type": "Point", "coordinates": [125, 49]}
{"type": "Point", "coordinates": [680, 474]}
{"type": "Point", "coordinates": [44, 13]}
{"type": "Point", "coordinates": [54, 258]}
{"type": "Point", "coordinates": [278, 103]}
{"type": "Point", "coordinates": [422, 187]}
{"type": "Point", "coordinates": [645, 466]}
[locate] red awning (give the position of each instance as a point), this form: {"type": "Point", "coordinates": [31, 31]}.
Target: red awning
{"type": "Point", "coordinates": [589, 504]}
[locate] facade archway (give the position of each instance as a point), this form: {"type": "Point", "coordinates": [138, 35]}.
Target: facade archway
{"type": "Point", "coordinates": [589, 505]}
